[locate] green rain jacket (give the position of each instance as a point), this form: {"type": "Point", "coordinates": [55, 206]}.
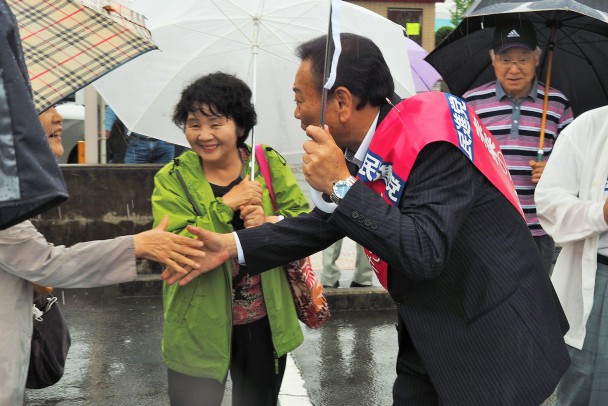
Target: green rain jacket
{"type": "Point", "coordinates": [198, 317]}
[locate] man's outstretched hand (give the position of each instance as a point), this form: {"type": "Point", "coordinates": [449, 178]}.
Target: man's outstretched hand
{"type": "Point", "coordinates": [217, 249]}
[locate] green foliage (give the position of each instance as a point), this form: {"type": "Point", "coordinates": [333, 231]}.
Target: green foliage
{"type": "Point", "coordinates": [460, 9]}
{"type": "Point", "coordinates": [441, 33]}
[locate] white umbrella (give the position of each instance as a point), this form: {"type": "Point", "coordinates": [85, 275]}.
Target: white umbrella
{"type": "Point", "coordinates": [241, 37]}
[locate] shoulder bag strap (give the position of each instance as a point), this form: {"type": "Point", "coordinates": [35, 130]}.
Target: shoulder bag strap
{"type": "Point", "coordinates": [265, 171]}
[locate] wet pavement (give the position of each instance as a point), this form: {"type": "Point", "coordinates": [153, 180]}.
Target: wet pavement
{"type": "Point", "coordinates": [115, 356]}
{"type": "Point", "coordinates": [351, 359]}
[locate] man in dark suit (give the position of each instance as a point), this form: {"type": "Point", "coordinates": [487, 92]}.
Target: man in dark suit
{"type": "Point", "coordinates": [478, 320]}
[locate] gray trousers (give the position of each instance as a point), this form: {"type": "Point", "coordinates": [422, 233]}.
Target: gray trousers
{"type": "Point", "coordinates": [585, 383]}
{"type": "Point", "coordinates": [331, 273]}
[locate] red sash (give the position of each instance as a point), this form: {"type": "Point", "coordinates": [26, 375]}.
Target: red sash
{"type": "Point", "coordinates": [407, 129]}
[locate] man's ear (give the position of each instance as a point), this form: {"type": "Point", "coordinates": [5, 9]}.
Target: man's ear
{"type": "Point", "coordinates": [344, 100]}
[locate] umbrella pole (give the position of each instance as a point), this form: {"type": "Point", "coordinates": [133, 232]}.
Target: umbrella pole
{"type": "Point", "coordinates": [317, 197]}
{"type": "Point", "coordinates": [252, 175]}
{"type": "Point", "coordinates": [329, 50]}
{"type": "Point", "coordinates": [543, 123]}
{"type": "Point", "coordinates": [254, 52]}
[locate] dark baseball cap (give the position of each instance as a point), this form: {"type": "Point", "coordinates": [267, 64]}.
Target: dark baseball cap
{"type": "Point", "coordinates": [514, 33]}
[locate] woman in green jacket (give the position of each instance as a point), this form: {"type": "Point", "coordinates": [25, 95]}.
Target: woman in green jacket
{"type": "Point", "coordinates": [226, 320]}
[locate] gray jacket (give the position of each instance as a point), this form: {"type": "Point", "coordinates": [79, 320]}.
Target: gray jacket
{"type": "Point", "coordinates": [26, 256]}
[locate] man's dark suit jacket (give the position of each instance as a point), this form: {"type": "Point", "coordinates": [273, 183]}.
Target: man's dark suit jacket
{"type": "Point", "coordinates": [463, 269]}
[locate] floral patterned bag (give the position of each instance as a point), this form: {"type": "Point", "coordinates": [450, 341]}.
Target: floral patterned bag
{"type": "Point", "coordinates": [306, 289]}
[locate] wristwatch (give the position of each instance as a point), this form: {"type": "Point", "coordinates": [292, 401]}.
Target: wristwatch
{"type": "Point", "coordinates": [340, 188]}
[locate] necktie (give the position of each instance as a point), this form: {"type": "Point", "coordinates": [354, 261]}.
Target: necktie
{"type": "Point", "coordinates": [352, 167]}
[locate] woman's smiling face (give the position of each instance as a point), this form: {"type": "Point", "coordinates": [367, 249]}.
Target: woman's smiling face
{"type": "Point", "coordinates": [211, 135]}
{"type": "Point", "coordinates": [52, 123]}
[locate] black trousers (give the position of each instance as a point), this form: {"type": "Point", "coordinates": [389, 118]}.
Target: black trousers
{"type": "Point", "coordinates": [546, 248]}
{"type": "Point", "coordinates": [412, 386]}
{"type": "Point", "coordinates": [255, 372]}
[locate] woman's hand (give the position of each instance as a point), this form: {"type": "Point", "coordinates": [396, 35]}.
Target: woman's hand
{"type": "Point", "coordinates": [245, 193]}
{"type": "Point", "coordinates": [253, 215]}
{"type": "Point", "coordinates": [167, 248]}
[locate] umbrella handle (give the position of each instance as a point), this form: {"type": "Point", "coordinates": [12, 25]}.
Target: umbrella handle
{"type": "Point", "coordinates": [540, 154]}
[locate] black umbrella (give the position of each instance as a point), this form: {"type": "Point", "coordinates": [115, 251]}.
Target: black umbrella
{"type": "Point", "coordinates": [576, 31]}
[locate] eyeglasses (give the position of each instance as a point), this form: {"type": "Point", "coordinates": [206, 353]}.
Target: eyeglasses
{"type": "Point", "coordinates": [520, 63]}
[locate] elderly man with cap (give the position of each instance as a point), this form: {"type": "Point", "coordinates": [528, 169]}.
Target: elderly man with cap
{"type": "Point", "coordinates": [511, 108]}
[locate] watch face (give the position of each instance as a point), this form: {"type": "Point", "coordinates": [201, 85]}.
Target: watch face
{"type": "Point", "coordinates": [341, 188]}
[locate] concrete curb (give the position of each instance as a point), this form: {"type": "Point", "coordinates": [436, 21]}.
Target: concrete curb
{"type": "Point", "coordinates": [339, 299]}
{"type": "Point", "coordinates": [373, 298]}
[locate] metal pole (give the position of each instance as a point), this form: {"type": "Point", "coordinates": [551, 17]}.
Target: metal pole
{"type": "Point", "coordinates": [91, 126]}
{"type": "Point", "coordinates": [103, 156]}
{"type": "Point", "coordinates": [254, 54]}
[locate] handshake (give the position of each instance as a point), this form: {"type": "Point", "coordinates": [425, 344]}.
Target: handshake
{"type": "Point", "coordinates": [214, 250]}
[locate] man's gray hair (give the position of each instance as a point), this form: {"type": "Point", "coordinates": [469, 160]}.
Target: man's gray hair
{"type": "Point", "coordinates": [537, 53]}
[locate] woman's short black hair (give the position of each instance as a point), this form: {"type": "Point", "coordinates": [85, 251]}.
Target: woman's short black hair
{"type": "Point", "coordinates": [225, 94]}
{"type": "Point", "coordinates": [361, 68]}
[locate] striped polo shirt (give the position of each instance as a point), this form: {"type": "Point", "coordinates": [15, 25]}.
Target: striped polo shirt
{"type": "Point", "coordinates": [515, 123]}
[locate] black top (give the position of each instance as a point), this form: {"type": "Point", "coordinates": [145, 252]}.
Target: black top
{"type": "Point", "coordinates": [237, 222]}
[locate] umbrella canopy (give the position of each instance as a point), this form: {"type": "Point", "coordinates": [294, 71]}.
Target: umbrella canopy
{"type": "Point", "coordinates": [69, 43]}
{"type": "Point", "coordinates": [241, 37]}
{"type": "Point", "coordinates": [423, 73]}
{"type": "Point", "coordinates": [578, 31]}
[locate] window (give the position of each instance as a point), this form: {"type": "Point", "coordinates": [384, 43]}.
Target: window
{"type": "Point", "coordinates": [410, 19]}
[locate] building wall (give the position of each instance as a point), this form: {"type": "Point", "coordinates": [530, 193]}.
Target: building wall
{"type": "Point", "coordinates": [106, 201]}
{"type": "Point", "coordinates": [428, 16]}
